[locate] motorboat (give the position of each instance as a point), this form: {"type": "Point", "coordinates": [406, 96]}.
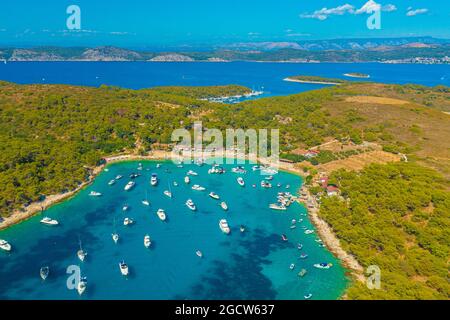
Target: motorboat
{"type": "Point", "coordinates": [269, 178]}
{"type": "Point", "coordinates": [168, 194]}
{"type": "Point", "coordinates": [125, 207]}
{"type": "Point", "coordinates": [44, 272]}
{"type": "Point", "coordinates": [187, 180]}
{"type": "Point", "coordinates": [161, 214]}
{"type": "Point", "coordinates": [175, 184]}
{"type": "Point", "coordinates": [95, 194]}
{"type": "Point", "coordinates": [265, 184]}
{"type": "Point", "coordinates": [214, 195]}
{"type": "Point", "coordinates": [81, 253]}
{"type": "Point", "coordinates": [134, 175]}
{"type": "Point", "coordinates": [115, 237]}
{"type": "Point", "coordinates": [302, 273]}
{"type": "Point", "coordinates": [284, 238]}
{"type": "Point", "coordinates": [292, 266]}
{"type": "Point", "coordinates": [158, 166]}
{"type": "Point", "coordinates": [242, 229]}
{"type": "Point", "coordinates": [216, 169]}
{"type": "Point", "coordinates": [199, 254]}
{"type": "Point", "coordinates": [197, 187]}
{"type": "Point", "coordinates": [279, 207]}
{"type": "Point", "coordinates": [309, 231]}
{"type": "Point", "coordinates": [49, 222]}
{"type": "Point", "coordinates": [128, 222]}
{"type": "Point", "coordinates": [123, 268]}
{"type": "Point", "coordinates": [241, 181]}
{"type": "Point", "coordinates": [129, 186]}
{"type": "Point", "coordinates": [304, 256]}
{"type": "Point", "coordinates": [154, 180]}
{"type": "Point", "coordinates": [299, 246]}
{"type": "Point", "coordinates": [308, 296]}
{"type": "Point", "coordinates": [4, 245]}
{"type": "Point", "coordinates": [147, 241]}
{"type": "Point", "coordinates": [82, 285]}
{"type": "Point", "coordinates": [223, 224]}
{"type": "Point", "coordinates": [112, 182]}
{"type": "Point", "coordinates": [191, 205]}
{"type": "Point", "coordinates": [146, 203]}
{"type": "Point", "coordinates": [239, 169]}
{"type": "Point", "coordinates": [256, 168]}
{"type": "Point", "coordinates": [323, 265]}
{"type": "Point", "coordinates": [192, 173]}
{"type": "Point", "coordinates": [224, 205]}
{"type": "Point", "coordinates": [119, 177]}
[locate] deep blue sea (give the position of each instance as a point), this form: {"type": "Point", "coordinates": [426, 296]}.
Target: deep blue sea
{"type": "Point", "coordinates": [258, 76]}
{"type": "Point", "coordinates": [250, 265]}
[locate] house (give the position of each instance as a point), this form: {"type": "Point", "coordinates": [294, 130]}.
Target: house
{"type": "Point", "coordinates": [311, 154]}
{"type": "Point", "coordinates": [332, 190]}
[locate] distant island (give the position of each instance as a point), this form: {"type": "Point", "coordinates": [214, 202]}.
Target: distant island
{"type": "Point", "coordinates": [357, 75]}
{"type": "Point", "coordinates": [315, 80]}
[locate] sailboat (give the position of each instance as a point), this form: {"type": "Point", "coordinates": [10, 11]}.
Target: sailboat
{"type": "Point", "coordinates": [146, 202]}
{"type": "Point", "coordinates": [168, 193]}
{"type": "Point", "coordinates": [81, 253]}
{"type": "Point", "coordinates": [115, 235]}
{"type": "Point", "coordinates": [44, 272]}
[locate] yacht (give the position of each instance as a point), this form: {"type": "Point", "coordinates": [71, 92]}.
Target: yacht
{"type": "Point", "coordinates": [115, 237]}
{"type": "Point", "coordinates": [119, 177]}
{"type": "Point", "coordinates": [123, 268]}
{"type": "Point", "coordinates": [223, 224]}
{"type": "Point", "coordinates": [112, 182]}
{"type": "Point", "coordinates": [224, 205]}
{"type": "Point", "coordinates": [154, 180]}
{"type": "Point", "coordinates": [4, 245]}
{"type": "Point", "coordinates": [187, 180]}
{"type": "Point", "coordinates": [167, 193]}
{"type": "Point", "coordinates": [216, 169]}
{"type": "Point", "coordinates": [323, 265]}
{"type": "Point", "coordinates": [192, 173]}
{"type": "Point", "coordinates": [279, 207]}
{"type": "Point", "coordinates": [240, 170]}
{"type": "Point", "coordinates": [82, 285]}
{"type": "Point", "coordinates": [241, 181]}
{"type": "Point", "coordinates": [199, 254]}
{"type": "Point", "coordinates": [44, 272]}
{"type": "Point", "coordinates": [95, 194]}
{"type": "Point", "coordinates": [81, 253]}
{"type": "Point", "coordinates": [197, 187]}
{"type": "Point", "coordinates": [214, 195]}
{"type": "Point", "coordinates": [128, 222]}
{"type": "Point", "coordinates": [129, 185]}
{"type": "Point", "coordinates": [147, 241]}
{"type": "Point", "coordinates": [161, 214]}
{"type": "Point", "coordinates": [191, 205]}
{"type": "Point", "coordinates": [50, 222]}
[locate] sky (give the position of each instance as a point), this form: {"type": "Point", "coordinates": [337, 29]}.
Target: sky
{"type": "Point", "coordinates": [160, 23]}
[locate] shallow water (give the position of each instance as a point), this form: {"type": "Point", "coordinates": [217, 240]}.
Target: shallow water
{"type": "Point", "coordinates": [250, 265]}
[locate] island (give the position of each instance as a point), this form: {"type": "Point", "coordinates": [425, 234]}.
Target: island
{"type": "Point", "coordinates": [357, 75]}
{"type": "Point", "coordinates": [315, 80]}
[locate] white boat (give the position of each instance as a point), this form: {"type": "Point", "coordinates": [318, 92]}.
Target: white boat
{"type": "Point", "coordinates": [187, 180]}
{"type": "Point", "coordinates": [224, 205]}
{"type": "Point", "coordinates": [191, 205]}
{"type": "Point", "coordinates": [308, 296]}
{"type": "Point", "coordinates": [292, 266]}
{"type": "Point", "coordinates": [115, 237]}
{"type": "Point", "coordinates": [4, 245]}
{"type": "Point", "coordinates": [125, 207]}
{"type": "Point", "coordinates": [146, 203]}
{"type": "Point", "coordinates": [82, 285]}
{"type": "Point", "coordinates": [129, 185]}
{"type": "Point", "coordinates": [158, 166]}
{"type": "Point", "coordinates": [309, 231]}
{"type": "Point", "coordinates": [95, 194]}
{"type": "Point", "coordinates": [123, 268]}
{"type": "Point", "coordinates": [81, 253]}
{"type": "Point", "coordinates": [50, 222]}
{"type": "Point", "coordinates": [216, 169]}
{"type": "Point", "coordinates": [199, 254]}
{"type": "Point", "coordinates": [44, 272]}
{"type": "Point", "coordinates": [239, 170]}
{"type": "Point", "coordinates": [192, 173]}
{"type": "Point", "coordinates": [161, 214]}
{"type": "Point", "coordinates": [175, 184]}
{"type": "Point", "coordinates": [154, 180]}
{"type": "Point", "coordinates": [119, 177]}
{"type": "Point", "coordinates": [241, 181]}
{"type": "Point", "coordinates": [147, 241]}
{"type": "Point", "coordinates": [214, 195]}
{"type": "Point", "coordinates": [140, 167]}
{"type": "Point", "coordinates": [265, 184]}
{"type": "Point", "coordinates": [242, 229]}
{"type": "Point", "coordinates": [167, 193]}
{"type": "Point", "coordinates": [112, 182]}
{"type": "Point", "coordinates": [256, 168]}
{"type": "Point", "coordinates": [223, 224]}
{"type": "Point", "coordinates": [197, 187]}
{"type": "Point", "coordinates": [275, 206]}
{"type": "Point", "coordinates": [128, 222]}
{"type": "Point", "coordinates": [269, 178]}
{"type": "Point", "coordinates": [323, 265]}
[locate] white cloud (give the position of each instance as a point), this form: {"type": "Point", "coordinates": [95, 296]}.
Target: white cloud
{"type": "Point", "coordinates": [369, 7]}
{"type": "Point", "coordinates": [412, 13]}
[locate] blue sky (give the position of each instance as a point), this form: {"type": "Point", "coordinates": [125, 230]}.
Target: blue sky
{"type": "Point", "coordinates": [146, 23]}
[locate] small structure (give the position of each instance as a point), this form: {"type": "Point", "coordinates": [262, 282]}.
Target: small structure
{"type": "Point", "coordinates": [332, 190]}
{"type": "Point", "coordinates": [311, 154]}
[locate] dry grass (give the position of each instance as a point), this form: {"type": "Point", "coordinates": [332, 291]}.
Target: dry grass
{"type": "Point", "coordinates": [358, 162]}
{"type": "Point", "coordinates": [376, 100]}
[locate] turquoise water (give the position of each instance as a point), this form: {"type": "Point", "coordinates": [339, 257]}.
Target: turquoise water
{"type": "Point", "coordinates": [250, 265]}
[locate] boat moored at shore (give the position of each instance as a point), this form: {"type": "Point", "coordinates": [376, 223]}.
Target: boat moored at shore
{"type": "Point", "coordinates": [49, 222]}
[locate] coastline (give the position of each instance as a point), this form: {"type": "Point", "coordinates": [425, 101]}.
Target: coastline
{"type": "Point", "coordinates": [324, 230]}
{"type": "Point", "coordinates": [311, 82]}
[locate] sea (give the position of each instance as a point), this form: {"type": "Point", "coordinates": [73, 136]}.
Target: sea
{"type": "Point", "coordinates": [255, 264]}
